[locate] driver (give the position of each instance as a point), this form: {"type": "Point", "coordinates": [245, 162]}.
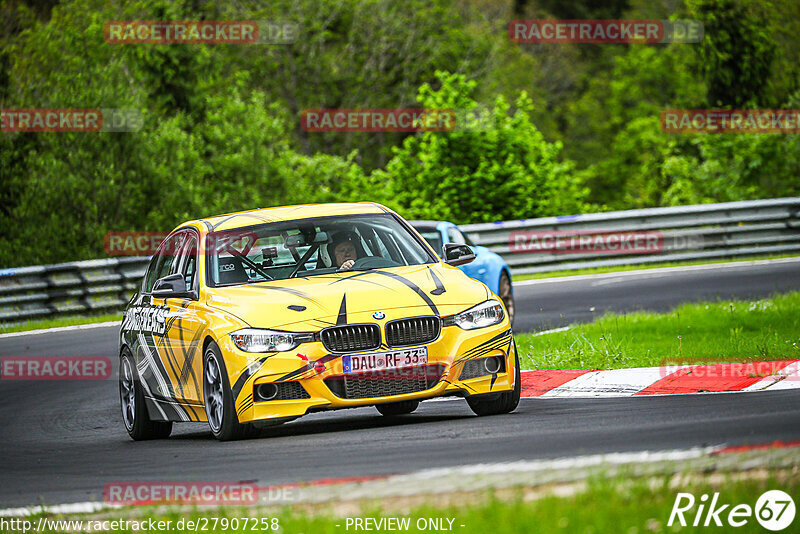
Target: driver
{"type": "Point", "coordinates": [344, 249]}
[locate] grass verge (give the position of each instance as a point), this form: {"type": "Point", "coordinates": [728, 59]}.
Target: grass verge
{"type": "Point", "coordinates": [60, 321]}
{"type": "Point", "coordinates": [713, 332]}
{"type": "Point", "coordinates": [596, 505]}
{"type": "Point", "coordinates": [641, 266]}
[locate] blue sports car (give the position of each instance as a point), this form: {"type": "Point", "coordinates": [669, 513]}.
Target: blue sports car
{"type": "Point", "coordinates": [488, 267]}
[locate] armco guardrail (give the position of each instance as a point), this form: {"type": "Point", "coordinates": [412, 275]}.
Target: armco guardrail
{"type": "Point", "coordinates": [706, 231]}
{"type": "Point", "coordinates": [73, 288]}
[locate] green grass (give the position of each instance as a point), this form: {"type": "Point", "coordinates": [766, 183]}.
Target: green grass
{"type": "Point", "coordinates": [60, 321]}
{"type": "Point", "coordinates": [616, 505]}
{"type": "Point", "coordinates": [640, 266]}
{"type": "Point", "coordinates": [732, 331]}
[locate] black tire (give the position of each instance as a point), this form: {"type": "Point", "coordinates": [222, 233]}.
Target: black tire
{"type": "Point", "coordinates": [506, 295]}
{"type": "Point", "coordinates": [229, 428]}
{"type": "Point", "coordinates": [397, 408]}
{"type": "Point", "coordinates": [505, 402]}
{"type": "Point", "coordinates": [134, 411]}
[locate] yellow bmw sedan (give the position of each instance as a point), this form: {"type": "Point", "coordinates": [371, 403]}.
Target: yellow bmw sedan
{"type": "Point", "coordinates": [256, 318]}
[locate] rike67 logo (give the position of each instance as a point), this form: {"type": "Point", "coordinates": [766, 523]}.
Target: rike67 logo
{"type": "Point", "coordinates": [774, 510]}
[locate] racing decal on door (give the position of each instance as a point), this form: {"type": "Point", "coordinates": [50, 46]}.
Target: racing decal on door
{"type": "Point", "coordinates": [148, 325]}
{"type": "Point", "coordinates": [147, 319]}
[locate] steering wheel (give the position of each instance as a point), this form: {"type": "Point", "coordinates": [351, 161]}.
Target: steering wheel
{"type": "Point", "coordinates": [372, 262]}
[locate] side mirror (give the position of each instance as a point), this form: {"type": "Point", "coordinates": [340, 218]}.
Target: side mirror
{"type": "Point", "coordinates": [456, 255]}
{"type": "Point", "coordinates": [172, 286]}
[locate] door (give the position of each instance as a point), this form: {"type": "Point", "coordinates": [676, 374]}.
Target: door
{"type": "Point", "coordinates": [149, 320]}
{"type": "Point", "coordinates": [182, 341]}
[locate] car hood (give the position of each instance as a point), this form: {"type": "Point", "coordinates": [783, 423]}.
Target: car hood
{"type": "Point", "coordinates": [310, 304]}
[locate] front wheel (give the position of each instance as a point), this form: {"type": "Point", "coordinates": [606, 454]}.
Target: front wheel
{"type": "Point", "coordinates": [505, 402]}
{"type": "Point", "coordinates": [134, 412]}
{"type": "Point", "coordinates": [219, 402]}
{"type": "Point", "coordinates": [507, 295]}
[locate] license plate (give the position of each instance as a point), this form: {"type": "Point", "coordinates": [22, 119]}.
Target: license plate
{"type": "Point", "coordinates": [376, 361]}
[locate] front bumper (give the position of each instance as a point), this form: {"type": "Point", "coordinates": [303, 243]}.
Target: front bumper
{"type": "Point", "coordinates": [311, 364]}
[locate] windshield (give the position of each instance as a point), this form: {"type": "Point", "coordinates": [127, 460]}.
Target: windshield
{"type": "Point", "coordinates": [311, 247]}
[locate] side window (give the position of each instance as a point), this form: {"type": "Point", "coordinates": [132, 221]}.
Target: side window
{"type": "Point", "coordinates": [150, 276]}
{"type": "Point", "coordinates": [189, 261]}
{"type": "Point", "coordinates": [434, 239]}
{"type": "Point", "coordinates": [456, 236]}
{"type": "Point", "coordinates": [165, 259]}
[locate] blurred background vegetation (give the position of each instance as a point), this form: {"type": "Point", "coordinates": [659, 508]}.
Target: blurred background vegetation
{"type": "Point", "coordinates": [575, 128]}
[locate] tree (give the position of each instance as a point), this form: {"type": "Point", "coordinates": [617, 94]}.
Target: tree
{"type": "Point", "coordinates": [502, 169]}
{"type": "Point", "coordinates": [737, 52]}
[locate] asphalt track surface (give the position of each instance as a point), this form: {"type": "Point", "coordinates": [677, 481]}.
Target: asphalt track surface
{"type": "Point", "coordinates": [62, 442]}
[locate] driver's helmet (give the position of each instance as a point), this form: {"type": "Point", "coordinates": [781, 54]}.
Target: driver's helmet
{"type": "Point", "coordinates": [338, 238]}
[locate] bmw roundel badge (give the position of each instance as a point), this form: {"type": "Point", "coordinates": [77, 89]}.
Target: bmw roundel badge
{"type": "Point", "coordinates": [378, 315]}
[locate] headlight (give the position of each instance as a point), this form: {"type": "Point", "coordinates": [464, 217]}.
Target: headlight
{"type": "Point", "coordinates": [257, 340]}
{"type": "Point", "coordinates": [484, 314]}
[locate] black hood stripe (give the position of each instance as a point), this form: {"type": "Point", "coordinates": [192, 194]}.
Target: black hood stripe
{"type": "Point", "coordinates": [414, 287]}
{"type": "Point", "coordinates": [439, 285]}
{"type": "Point", "coordinates": [342, 317]}
{"type": "Point", "coordinates": [295, 292]}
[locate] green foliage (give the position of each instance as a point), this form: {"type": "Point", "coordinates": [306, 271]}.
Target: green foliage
{"type": "Point", "coordinates": [370, 54]}
{"type": "Point", "coordinates": [647, 167]}
{"type": "Point", "coordinates": [568, 128]}
{"type": "Point", "coordinates": [501, 169]}
{"type": "Point", "coordinates": [621, 111]}
{"type": "Point", "coordinates": [736, 55]}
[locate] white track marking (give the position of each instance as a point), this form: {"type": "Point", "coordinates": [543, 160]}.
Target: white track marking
{"type": "Point", "coordinates": [62, 329]}
{"type": "Point", "coordinates": [553, 331]}
{"type": "Point", "coordinates": [562, 463]}
{"type": "Point", "coordinates": [786, 378]}
{"type": "Point", "coordinates": [72, 508]}
{"type": "Point", "coordinates": [654, 271]}
{"type": "Point", "coordinates": [573, 388]}
{"type": "Point", "coordinates": [612, 383]}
